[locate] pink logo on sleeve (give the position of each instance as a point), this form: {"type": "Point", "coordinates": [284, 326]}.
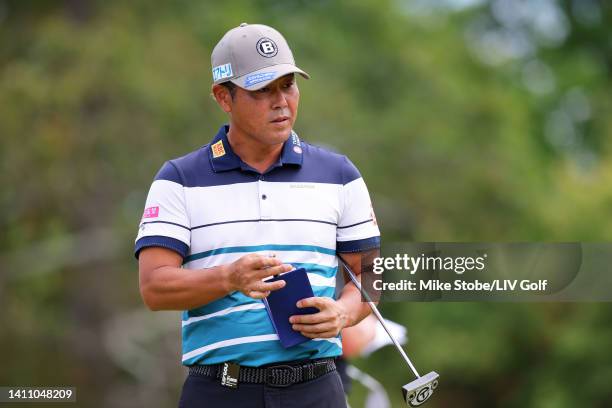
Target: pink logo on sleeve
{"type": "Point", "coordinates": [151, 212]}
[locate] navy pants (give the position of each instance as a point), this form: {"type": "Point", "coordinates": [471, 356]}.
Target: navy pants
{"type": "Point", "coordinates": [204, 392]}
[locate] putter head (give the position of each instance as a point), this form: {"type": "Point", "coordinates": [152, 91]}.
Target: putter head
{"type": "Point", "coordinates": [419, 391]}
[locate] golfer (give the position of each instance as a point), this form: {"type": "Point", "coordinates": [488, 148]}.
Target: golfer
{"type": "Point", "coordinates": [255, 202]}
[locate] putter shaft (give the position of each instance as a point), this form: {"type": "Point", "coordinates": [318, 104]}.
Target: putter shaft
{"type": "Point", "coordinates": [379, 316]}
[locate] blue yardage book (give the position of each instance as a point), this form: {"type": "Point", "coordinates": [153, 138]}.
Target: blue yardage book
{"type": "Point", "coordinates": [281, 304]}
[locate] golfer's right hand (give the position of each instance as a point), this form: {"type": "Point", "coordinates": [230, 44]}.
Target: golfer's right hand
{"type": "Point", "coordinates": [247, 273]}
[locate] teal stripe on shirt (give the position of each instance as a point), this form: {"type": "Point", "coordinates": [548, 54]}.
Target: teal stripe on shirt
{"type": "Point", "coordinates": [233, 325]}
{"type": "Point", "coordinates": [255, 248]}
{"type": "Point", "coordinates": [237, 298]}
{"type": "Point", "coordinates": [266, 352]}
{"type": "Point", "coordinates": [242, 325]}
{"type": "Point", "coordinates": [324, 291]}
{"type": "Point", "coordinates": [231, 300]}
{"type": "Point", "coordinates": [326, 271]}
{"type": "Point", "coordinates": [238, 324]}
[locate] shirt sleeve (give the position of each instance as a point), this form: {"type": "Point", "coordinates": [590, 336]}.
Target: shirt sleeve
{"type": "Point", "coordinates": [357, 228]}
{"type": "Point", "coordinates": [165, 220]}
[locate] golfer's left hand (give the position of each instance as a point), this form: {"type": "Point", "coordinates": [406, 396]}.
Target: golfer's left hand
{"type": "Point", "coordinates": [328, 322]}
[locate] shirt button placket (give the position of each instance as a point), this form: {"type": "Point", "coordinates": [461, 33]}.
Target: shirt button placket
{"type": "Point", "coordinates": [264, 199]}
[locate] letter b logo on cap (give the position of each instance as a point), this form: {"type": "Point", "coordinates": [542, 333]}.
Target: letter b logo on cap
{"type": "Point", "coordinates": [266, 47]}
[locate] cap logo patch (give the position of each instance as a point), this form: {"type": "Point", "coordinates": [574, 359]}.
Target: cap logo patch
{"type": "Point", "coordinates": [257, 78]}
{"type": "Point", "coordinates": [266, 47]}
{"type": "Point", "coordinates": [217, 149]}
{"type": "Point", "coordinates": [222, 72]}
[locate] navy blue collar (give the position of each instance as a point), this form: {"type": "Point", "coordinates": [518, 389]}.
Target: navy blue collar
{"type": "Point", "coordinates": [223, 158]}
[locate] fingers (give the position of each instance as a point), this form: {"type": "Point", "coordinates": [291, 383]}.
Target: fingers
{"type": "Point", "coordinates": [309, 318]}
{"type": "Point", "coordinates": [259, 289]}
{"type": "Point", "coordinates": [261, 262]}
{"type": "Point", "coordinates": [274, 270]}
{"type": "Point", "coordinates": [257, 294]}
{"type": "Point", "coordinates": [315, 329]}
{"type": "Point", "coordinates": [316, 301]}
{"type": "Point", "coordinates": [263, 286]}
{"type": "Point", "coordinates": [324, 335]}
{"type": "Point", "coordinates": [248, 272]}
{"type": "Point", "coordinates": [327, 323]}
{"type": "Point", "coordinates": [264, 266]}
{"type": "Point", "coordinates": [321, 303]}
{"type": "Point", "coordinates": [326, 329]}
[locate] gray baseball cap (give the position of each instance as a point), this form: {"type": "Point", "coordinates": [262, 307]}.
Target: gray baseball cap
{"type": "Point", "coordinates": [252, 56]}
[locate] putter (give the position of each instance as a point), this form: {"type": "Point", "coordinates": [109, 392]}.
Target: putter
{"type": "Point", "coordinates": [415, 392]}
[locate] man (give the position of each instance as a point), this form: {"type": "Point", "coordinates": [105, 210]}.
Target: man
{"type": "Point", "coordinates": [255, 202]}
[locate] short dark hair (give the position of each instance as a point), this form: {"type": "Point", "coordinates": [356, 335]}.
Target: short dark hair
{"type": "Point", "coordinates": [230, 86]}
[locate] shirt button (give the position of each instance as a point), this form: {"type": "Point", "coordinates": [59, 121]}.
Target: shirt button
{"type": "Point", "coordinates": [263, 196]}
{"type": "Point", "coordinates": [262, 178]}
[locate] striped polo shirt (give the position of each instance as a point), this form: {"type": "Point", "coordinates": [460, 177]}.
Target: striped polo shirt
{"type": "Point", "coordinates": [213, 208]}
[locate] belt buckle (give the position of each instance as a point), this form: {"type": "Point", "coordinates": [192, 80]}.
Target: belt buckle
{"type": "Point", "coordinates": [319, 368]}
{"type": "Point", "coordinates": [270, 376]}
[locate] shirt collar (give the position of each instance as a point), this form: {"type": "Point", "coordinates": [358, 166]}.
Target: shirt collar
{"type": "Point", "coordinates": [292, 150]}
{"type": "Point", "coordinates": [221, 155]}
{"type": "Point", "coordinates": [223, 158]}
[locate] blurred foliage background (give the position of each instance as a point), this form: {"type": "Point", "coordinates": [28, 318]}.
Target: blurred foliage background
{"type": "Point", "coordinates": [470, 121]}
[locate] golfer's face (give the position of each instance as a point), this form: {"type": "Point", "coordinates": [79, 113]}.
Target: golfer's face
{"type": "Point", "coordinates": [267, 114]}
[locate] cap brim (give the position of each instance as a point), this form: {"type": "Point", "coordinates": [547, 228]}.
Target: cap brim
{"type": "Point", "coordinates": [258, 79]}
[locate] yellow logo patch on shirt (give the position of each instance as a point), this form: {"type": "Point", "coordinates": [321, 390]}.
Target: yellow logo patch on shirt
{"type": "Point", "coordinates": [217, 149]}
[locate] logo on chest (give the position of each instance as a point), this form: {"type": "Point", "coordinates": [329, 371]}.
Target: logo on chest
{"type": "Point", "coordinates": [302, 185]}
